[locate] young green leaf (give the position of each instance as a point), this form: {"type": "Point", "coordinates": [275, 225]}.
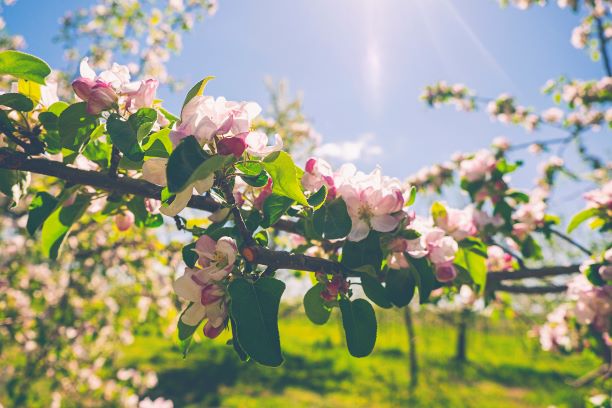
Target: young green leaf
{"type": "Point", "coordinates": [581, 217]}
{"type": "Point", "coordinates": [196, 90]}
{"type": "Point", "coordinates": [23, 66]}
{"type": "Point", "coordinates": [359, 321]}
{"type": "Point", "coordinates": [76, 126]}
{"type": "Point", "coordinates": [284, 175]}
{"type": "Point", "coordinates": [56, 227]}
{"type": "Point", "coordinates": [317, 199]}
{"type": "Point", "coordinates": [475, 264]}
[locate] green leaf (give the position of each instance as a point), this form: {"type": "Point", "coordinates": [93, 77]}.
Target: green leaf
{"type": "Point", "coordinates": [475, 264]}
{"type": "Point", "coordinates": [474, 245]}
{"type": "Point", "coordinates": [438, 211]}
{"type": "Point", "coordinates": [581, 217]}
{"type": "Point", "coordinates": [364, 252]}
{"type": "Point", "coordinates": [314, 305]}
{"type": "Point", "coordinates": [185, 332]}
{"type": "Point", "coordinates": [360, 328]}
{"type": "Point", "coordinates": [254, 308]}
{"type": "Point", "coordinates": [317, 199]}
{"type": "Point", "coordinates": [409, 234]}
{"type": "Point", "coordinates": [256, 181]}
{"type": "Point", "coordinates": [196, 90]}
{"type": "Point", "coordinates": [284, 175]}
{"type": "Point", "coordinates": [425, 277]}
{"type": "Point", "coordinates": [400, 284]}
{"type": "Point", "coordinates": [274, 208]}
{"type": "Point", "coordinates": [76, 126]}
{"type": "Point", "coordinates": [242, 355]}
{"type": "Point", "coordinates": [125, 137]}
{"type": "Point", "coordinates": [375, 291]}
{"type": "Point", "coordinates": [250, 168]}
{"type": "Point", "coordinates": [158, 144]}
{"type": "Point", "coordinates": [14, 184]}
{"type": "Point", "coordinates": [332, 221]}
{"type": "Point", "coordinates": [23, 66]}
{"type": "Point", "coordinates": [188, 163]}
{"type": "Point", "coordinates": [56, 227]}
{"type": "Point", "coordinates": [17, 102]}
{"type": "Point", "coordinates": [40, 208]}
{"type": "Point", "coordinates": [518, 196]}
{"type": "Point", "coordinates": [412, 196]}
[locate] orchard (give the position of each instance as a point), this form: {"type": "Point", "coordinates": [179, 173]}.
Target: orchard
{"type": "Point", "coordinates": [123, 217]}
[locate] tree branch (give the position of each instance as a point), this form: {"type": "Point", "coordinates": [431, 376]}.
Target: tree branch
{"type": "Point", "coordinates": [530, 290]}
{"type": "Point", "coordinates": [571, 241]}
{"type": "Point", "coordinates": [602, 45]}
{"type": "Point", "coordinates": [532, 273]}
{"type": "Point", "coordinates": [287, 260]}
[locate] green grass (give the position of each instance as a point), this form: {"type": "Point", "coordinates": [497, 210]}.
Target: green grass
{"type": "Point", "coordinates": [505, 369]}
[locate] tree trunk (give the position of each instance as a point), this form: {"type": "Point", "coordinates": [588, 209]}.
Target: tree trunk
{"type": "Point", "coordinates": [414, 364]}
{"type": "Point", "coordinates": [461, 355]}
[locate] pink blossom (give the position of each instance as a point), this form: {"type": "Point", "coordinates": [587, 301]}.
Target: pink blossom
{"type": "Point", "coordinates": [445, 272]}
{"type": "Point", "coordinates": [257, 144]}
{"type": "Point", "coordinates": [600, 198]}
{"type": "Point", "coordinates": [263, 195]}
{"type": "Point", "coordinates": [501, 143]}
{"type": "Point", "coordinates": [458, 223]}
{"type": "Point", "coordinates": [124, 220]}
{"type": "Point", "coordinates": [217, 258]}
{"type": "Point", "coordinates": [141, 94]}
{"type": "Point", "coordinates": [206, 117]}
{"type": "Point", "coordinates": [478, 166]}
{"type": "Point", "coordinates": [318, 173]}
{"type": "Point", "coordinates": [152, 205]}
{"type": "Point", "coordinates": [498, 260]}
{"type": "Point", "coordinates": [372, 201]}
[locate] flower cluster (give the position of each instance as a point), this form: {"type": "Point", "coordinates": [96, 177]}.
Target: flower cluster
{"type": "Point", "coordinates": [498, 260]}
{"type": "Point", "coordinates": [433, 243]}
{"type": "Point", "coordinates": [337, 285]}
{"type": "Point", "coordinates": [505, 110]}
{"type": "Point", "coordinates": [455, 94]}
{"type": "Point", "coordinates": [203, 285]}
{"type": "Point", "coordinates": [432, 178]}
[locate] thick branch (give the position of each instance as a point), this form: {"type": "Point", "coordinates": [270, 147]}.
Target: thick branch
{"type": "Point", "coordinates": [532, 273]}
{"type": "Point", "coordinates": [530, 290]}
{"type": "Point", "coordinates": [287, 260]}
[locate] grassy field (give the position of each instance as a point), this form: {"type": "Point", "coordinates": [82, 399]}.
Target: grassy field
{"type": "Point", "coordinates": [505, 369]}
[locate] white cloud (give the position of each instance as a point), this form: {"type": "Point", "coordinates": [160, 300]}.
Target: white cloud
{"type": "Point", "coordinates": [348, 151]}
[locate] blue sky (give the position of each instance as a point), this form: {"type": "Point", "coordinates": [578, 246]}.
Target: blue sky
{"type": "Point", "coordinates": [362, 64]}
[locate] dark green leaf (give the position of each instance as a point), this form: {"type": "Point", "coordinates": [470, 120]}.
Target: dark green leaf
{"type": "Point", "coordinates": [250, 168]}
{"type": "Point", "coordinates": [190, 257]}
{"type": "Point", "coordinates": [314, 305]}
{"type": "Point", "coordinates": [76, 126]}
{"type": "Point", "coordinates": [40, 208]}
{"type": "Point", "coordinates": [364, 252]}
{"type": "Point", "coordinates": [125, 137]}
{"type": "Point", "coordinates": [317, 199]}
{"type": "Point", "coordinates": [14, 184]}
{"type": "Point", "coordinates": [332, 220]}
{"type": "Point", "coordinates": [257, 181]}
{"type": "Point", "coordinates": [375, 291]}
{"type": "Point", "coordinates": [273, 208]}
{"type": "Point", "coordinates": [360, 327]}
{"type": "Point", "coordinates": [17, 102]}
{"type": "Point", "coordinates": [188, 163]}
{"type": "Point", "coordinates": [400, 284]}
{"type": "Point", "coordinates": [254, 308]}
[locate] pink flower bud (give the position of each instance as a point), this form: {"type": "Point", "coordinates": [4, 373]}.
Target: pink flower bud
{"type": "Point", "coordinates": [445, 272]}
{"type": "Point", "coordinates": [143, 97]}
{"type": "Point", "coordinates": [83, 87]}
{"type": "Point", "coordinates": [152, 205]}
{"type": "Point", "coordinates": [210, 294]}
{"type": "Point", "coordinates": [265, 193]}
{"type": "Point", "coordinates": [124, 221]}
{"type": "Point", "coordinates": [231, 145]}
{"type": "Point", "coordinates": [102, 97]}
{"type": "Point", "coordinates": [211, 331]}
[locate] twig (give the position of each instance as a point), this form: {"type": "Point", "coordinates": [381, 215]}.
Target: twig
{"type": "Point", "coordinates": [114, 162]}
{"type": "Point", "coordinates": [532, 273]}
{"type": "Point", "coordinates": [602, 46]}
{"type": "Point", "coordinates": [571, 241]}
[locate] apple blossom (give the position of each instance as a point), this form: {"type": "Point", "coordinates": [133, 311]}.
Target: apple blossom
{"type": "Point", "coordinates": [478, 166]}
{"type": "Point", "coordinates": [372, 200]}
{"type": "Point", "coordinates": [318, 173]}
{"type": "Point", "coordinates": [457, 223]}
{"type": "Point", "coordinates": [498, 260]}
{"type": "Point", "coordinates": [140, 95]}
